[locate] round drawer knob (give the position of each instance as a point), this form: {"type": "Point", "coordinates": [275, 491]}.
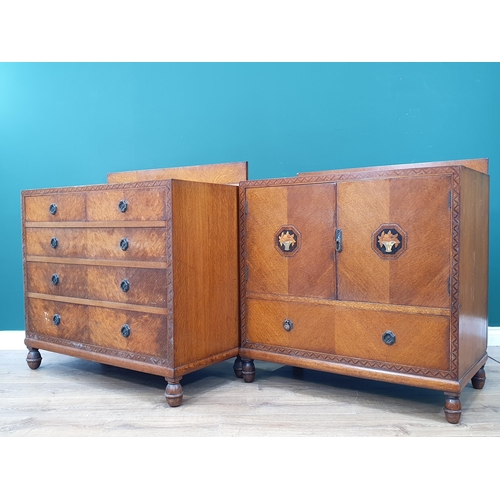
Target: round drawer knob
{"type": "Point", "coordinates": [125, 285]}
{"type": "Point", "coordinates": [53, 208]}
{"type": "Point", "coordinates": [54, 242]}
{"type": "Point", "coordinates": [388, 337]}
{"type": "Point", "coordinates": [288, 325]}
{"type": "Point", "coordinates": [125, 331]}
{"type": "Point", "coordinates": [123, 205]}
{"type": "Point", "coordinates": [55, 279]}
{"type": "Point", "coordinates": [56, 319]}
{"type": "Point", "coordinates": [124, 244]}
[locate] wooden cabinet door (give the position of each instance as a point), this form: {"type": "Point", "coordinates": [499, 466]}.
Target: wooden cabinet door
{"type": "Point", "coordinates": [396, 236]}
{"type": "Point", "coordinates": [290, 240]}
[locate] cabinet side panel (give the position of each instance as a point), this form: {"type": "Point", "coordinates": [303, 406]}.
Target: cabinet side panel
{"type": "Point", "coordinates": [473, 267]}
{"type": "Point", "coordinates": [205, 269]}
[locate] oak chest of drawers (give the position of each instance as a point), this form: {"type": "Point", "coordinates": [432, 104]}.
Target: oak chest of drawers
{"type": "Point", "coordinates": [378, 273]}
{"type": "Point", "coordinates": [141, 275]}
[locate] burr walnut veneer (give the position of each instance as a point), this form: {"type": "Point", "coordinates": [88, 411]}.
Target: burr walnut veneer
{"type": "Point", "coordinates": [378, 273]}
{"type": "Point", "coordinates": [141, 275]}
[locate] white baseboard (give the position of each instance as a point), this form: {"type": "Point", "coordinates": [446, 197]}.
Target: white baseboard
{"type": "Point", "coordinates": [11, 340]}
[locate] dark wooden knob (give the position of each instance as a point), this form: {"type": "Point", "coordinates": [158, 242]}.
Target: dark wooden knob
{"type": "Point", "coordinates": [124, 244]}
{"type": "Point", "coordinates": [125, 285]}
{"type": "Point", "coordinates": [125, 331]}
{"type": "Point", "coordinates": [54, 242]}
{"type": "Point", "coordinates": [55, 279]}
{"type": "Point", "coordinates": [123, 205]}
{"type": "Point", "coordinates": [288, 325]}
{"type": "Point", "coordinates": [388, 337]}
{"type": "Point", "coordinates": [53, 208]}
{"type": "Point", "coordinates": [56, 319]}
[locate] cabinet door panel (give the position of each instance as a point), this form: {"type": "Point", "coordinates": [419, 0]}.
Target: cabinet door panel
{"type": "Point", "coordinates": [416, 269]}
{"type": "Point", "coordinates": [302, 218]}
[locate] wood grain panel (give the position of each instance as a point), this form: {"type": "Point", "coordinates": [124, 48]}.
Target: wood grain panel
{"type": "Point", "coordinates": [362, 207]}
{"type": "Point", "coordinates": [146, 286]}
{"type": "Point", "coordinates": [420, 206]}
{"type": "Point", "coordinates": [308, 271]}
{"type": "Point", "coordinates": [69, 207]}
{"type": "Point", "coordinates": [71, 242]}
{"type": "Point", "coordinates": [421, 340]}
{"type": "Point", "coordinates": [142, 205]}
{"type": "Point", "coordinates": [73, 325]}
{"type": "Point", "coordinates": [143, 244]}
{"type": "Point", "coordinates": [147, 331]}
{"type": "Point", "coordinates": [313, 325]}
{"type": "Point", "coordinates": [205, 269]}
{"type": "Point", "coordinates": [72, 279]}
{"type": "Point", "coordinates": [219, 173]}
{"type": "Point", "coordinates": [473, 267]}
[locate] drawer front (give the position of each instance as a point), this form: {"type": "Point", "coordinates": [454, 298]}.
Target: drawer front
{"type": "Point", "coordinates": [71, 323]}
{"type": "Point", "coordinates": [55, 242]}
{"type": "Point", "coordinates": [127, 284]}
{"type": "Point", "coordinates": [147, 333]}
{"type": "Point", "coordinates": [312, 326]}
{"type": "Point", "coordinates": [57, 279]}
{"type": "Point", "coordinates": [55, 207]}
{"type": "Point", "coordinates": [126, 204]}
{"type": "Point", "coordinates": [420, 340]}
{"type": "Point", "coordinates": [144, 244]}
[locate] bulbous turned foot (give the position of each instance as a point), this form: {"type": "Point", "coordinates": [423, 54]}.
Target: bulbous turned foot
{"type": "Point", "coordinates": [34, 358]}
{"type": "Point", "coordinates": [237, 367]}
{"type": "Point", "coordinates": [452, 408]}
{"type": "Point", "coordinates": [248, 370]}
{"type": "Point", "coordinates": [173, 392]}
{"type": "Point", "coordinates": [479, 379]}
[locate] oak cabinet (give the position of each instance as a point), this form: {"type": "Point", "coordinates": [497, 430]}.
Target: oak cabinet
{"type": "Point", "coordinates": [141, 275]}
{"type": "Point", "coordinates": [379, 273]}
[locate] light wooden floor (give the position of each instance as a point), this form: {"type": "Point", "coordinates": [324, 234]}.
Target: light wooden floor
{"type": "Point", "coordinates": [72, 397]}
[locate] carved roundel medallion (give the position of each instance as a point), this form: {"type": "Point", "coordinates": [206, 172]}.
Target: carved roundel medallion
{"type": "Point", "coordinates": [288, 240]}
{"type": "Point", "coordinates": [389, 241]}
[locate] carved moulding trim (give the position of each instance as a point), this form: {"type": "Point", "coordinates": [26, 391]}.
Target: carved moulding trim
{"type": "Point", "coordinates": [142, 358]}
{"type": "Point", "coordinates": [365, 363]}
{"type": "Point", "coordinates": [95, 187]}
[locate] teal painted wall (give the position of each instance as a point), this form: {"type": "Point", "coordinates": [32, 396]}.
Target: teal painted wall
{"type": "Point", "coordinates": [71, 124]}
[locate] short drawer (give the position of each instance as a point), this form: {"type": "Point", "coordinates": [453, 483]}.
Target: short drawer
{"type": "Point", "coordinates": [128, 331]}
{"type": "Point", "coordinates": [410, 339]}
{"type": "Point", "coordinates": [57, 319]}
{"type": "Point", "coordinates": [127, 284]}
{"type": "Point", "coordinates": [126, 204]}
{"type": "Point", "coordinates": [56, 242]}
{"type": "Point", "coordinates": [56, 207]}
{"type": "Point", "coordinates": [146, 244]}
{"type": "Point", "coordinates": [56, 279]}
{"type": "Point", "coordinates": [291, 325]}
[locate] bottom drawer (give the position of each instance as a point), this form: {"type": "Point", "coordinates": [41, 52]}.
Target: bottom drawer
{"type": "Point", "coordinates": [419, 340]}
{"type": "Point", "coordinates": [135, 332]}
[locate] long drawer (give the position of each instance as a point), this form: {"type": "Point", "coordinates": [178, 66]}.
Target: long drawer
{"type": "Point", "coordinates": [99, 205]}
{"type": "Point", "coordinates": [409, 339]}
{"type": "Point", "coordinates": [114, 284]}
{"type": "Point", "coordinates": [145, 244]}
{"type": "Point", "coordinates": [99, 326]}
